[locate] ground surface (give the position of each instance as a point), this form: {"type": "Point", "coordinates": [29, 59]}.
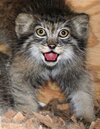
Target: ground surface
{"type": "Point", "coordinates": [54, 116]}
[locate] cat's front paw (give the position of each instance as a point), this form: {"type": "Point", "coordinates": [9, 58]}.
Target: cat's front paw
{"type": "Point", "coordinates": [27, 107]}
{"type": "Point", "coordinates": [82, 105]}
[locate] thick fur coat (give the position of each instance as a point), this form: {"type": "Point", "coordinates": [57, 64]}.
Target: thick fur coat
{"type": "Point", "coordinates": [48, 42]}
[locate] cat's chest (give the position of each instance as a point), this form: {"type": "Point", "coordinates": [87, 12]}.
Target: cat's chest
{"type": "Point", "coordinates": [50, 89]}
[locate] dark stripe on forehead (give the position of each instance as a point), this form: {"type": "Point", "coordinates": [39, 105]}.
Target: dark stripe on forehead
{"type": "Point", "coordinates": [53, 19]}
{"type": "Point", "coordinates": [48, 7]}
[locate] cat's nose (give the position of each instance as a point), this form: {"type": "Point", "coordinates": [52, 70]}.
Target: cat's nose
{"type": "Point", "coordinates": [52, 46]}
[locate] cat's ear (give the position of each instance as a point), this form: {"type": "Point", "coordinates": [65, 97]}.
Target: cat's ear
{"type": "Point", "coordinates": [23, 24]}
{"type": "Point", "coordinates": [81, 23]}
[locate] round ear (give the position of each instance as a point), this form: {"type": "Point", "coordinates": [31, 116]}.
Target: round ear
{"type": "Point", "coordinates": [23, 23]}
{"type": "Point", "coordinates": [81, 23]}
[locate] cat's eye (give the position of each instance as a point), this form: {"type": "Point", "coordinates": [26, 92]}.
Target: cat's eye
{"type": "Point", "coordinates": [63, 33]}
{"type": "Point", "coordinates": [40, 32]}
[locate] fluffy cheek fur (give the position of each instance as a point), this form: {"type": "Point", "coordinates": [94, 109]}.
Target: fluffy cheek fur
{"type": "Point", "coordinates": [65, 54]}
{"type": "Point", "coordinates": [36, 54]}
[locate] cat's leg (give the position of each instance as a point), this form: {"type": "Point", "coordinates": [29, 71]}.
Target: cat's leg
{"type": "Point", "coordinates": [23, 93]}
{"type": "Point", "coordinates": [24, 99]}
{"type": "Point", "coordinates": [80, 94]}
{"type": "Point", "coordinates": [82, 104]}
{"type": "Point", "coordinates": [82, 99]}
{"type": "Point", "coordinates": [6, 100]}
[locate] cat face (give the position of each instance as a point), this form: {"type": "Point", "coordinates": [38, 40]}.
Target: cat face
{"type": "Point", "coordinates": [54, 40]}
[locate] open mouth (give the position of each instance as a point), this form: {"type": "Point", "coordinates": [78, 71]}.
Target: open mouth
{"type": "Point", "coordinates": [51, 56]}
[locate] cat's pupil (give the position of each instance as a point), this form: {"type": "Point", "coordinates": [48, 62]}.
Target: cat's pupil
{"type": "Point", "coordinates": [41, 31]}
{"type": "Point", "coordinates": [63, 32]}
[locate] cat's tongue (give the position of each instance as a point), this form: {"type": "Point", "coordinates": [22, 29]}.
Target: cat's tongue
{"type": "Point", "coordinates": [51, 56]}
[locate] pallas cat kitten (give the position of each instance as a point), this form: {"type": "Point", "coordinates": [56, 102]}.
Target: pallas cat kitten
{"type": "Point", "coordinates": [51, 43]}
